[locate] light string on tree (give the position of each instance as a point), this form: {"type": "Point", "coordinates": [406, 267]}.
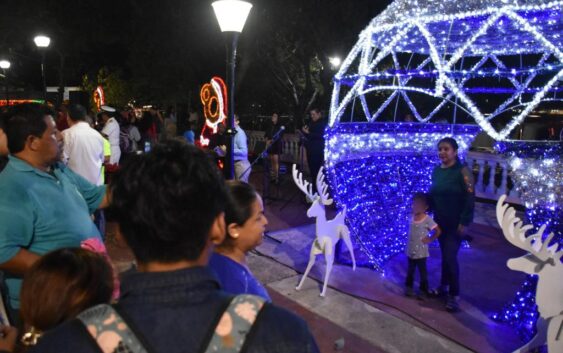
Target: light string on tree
{"type": "Point", "coordinates": [99, 97]}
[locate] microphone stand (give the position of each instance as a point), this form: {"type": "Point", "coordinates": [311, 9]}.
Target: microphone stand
{"type": "Point", "coordinates": [301, 163]}
{"type": "Point", "coordinates": [263, 155]}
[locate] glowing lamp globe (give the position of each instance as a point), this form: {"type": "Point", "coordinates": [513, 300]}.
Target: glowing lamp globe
{"type": "Point", "coordinates": [42, 41]}
{"type": "Point", "coordinates": [4, 64]}
{"type": "Point", "coordinates": [231, 14]}
{"type": "Point", "coordinates": [335, 61]}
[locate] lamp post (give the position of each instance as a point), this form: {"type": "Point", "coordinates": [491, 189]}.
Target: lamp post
{"type": "Point", "coordinates": [42, 43]}
{"type": "Point", "coordinates": [5, 65]}
{"type": "Point", "coordinates": [231, 15]}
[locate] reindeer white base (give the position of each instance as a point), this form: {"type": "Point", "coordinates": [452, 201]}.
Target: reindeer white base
{"type": "Point", "coordinates": [544, 261]}
{"type": "Point", "coordinates": [328, 233]}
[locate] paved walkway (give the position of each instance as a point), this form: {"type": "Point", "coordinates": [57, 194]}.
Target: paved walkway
{"type": "Point", "coordinates": [339, 316]}
{"type": "Point", "coordinates": [331, 336]}
{"type": "Point", "coordinates": [482, 264]}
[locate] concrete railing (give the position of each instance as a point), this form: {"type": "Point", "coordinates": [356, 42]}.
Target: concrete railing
{"type": "Point", "coordinates": [491, 170]}
{"type": "Point", "coordinates": [492, 176]}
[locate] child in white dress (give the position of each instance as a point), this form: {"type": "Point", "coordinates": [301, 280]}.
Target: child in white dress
{"type": "Point", "coordinates": [421, 226]}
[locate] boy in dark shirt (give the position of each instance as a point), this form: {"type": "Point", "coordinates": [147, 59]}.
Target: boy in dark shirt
{"type": "Point", "coordinates": [169, 204]}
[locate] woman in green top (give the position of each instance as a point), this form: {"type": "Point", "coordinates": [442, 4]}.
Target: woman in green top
{"type": "Point", "coordinates": [452, 200]}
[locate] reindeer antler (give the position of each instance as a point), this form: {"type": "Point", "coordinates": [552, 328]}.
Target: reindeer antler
{"type": "Point", "coordinates": [515, 233]}
{"type": "Point", "coordinates": [322, 188]}
{"type": "Point", "coordinates": [303, 185]}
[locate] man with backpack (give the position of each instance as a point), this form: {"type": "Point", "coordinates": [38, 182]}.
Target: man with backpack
{"type": "Point", "coordinates": [169, 204]}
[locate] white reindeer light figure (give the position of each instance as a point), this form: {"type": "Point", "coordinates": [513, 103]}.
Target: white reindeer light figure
{"type": "Point", "coordinates": [545, 262]}
{"type": "Point", "coordinates": [328, 233]}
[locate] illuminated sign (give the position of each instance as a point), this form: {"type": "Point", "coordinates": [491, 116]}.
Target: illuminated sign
{"type": "Point", "coordinates": [99, 97]}
{"type": "Point", "coordinates": [213, 97]}
{"type": "Point", "coordinates": [20, 101]}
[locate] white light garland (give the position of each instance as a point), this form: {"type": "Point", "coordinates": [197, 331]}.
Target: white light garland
{"type": "Point", "coordinates": [450, 95]}
{"type": "Point", "coordinates": [401, 12]}
{"type": "Point", "coordinates": [221, 103]}
{"type": "Point", "coordinates": [461, 51]}
{"type": "Point", "coordinates": [484, 29]}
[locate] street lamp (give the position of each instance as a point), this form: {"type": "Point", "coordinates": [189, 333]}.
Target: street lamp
{"type": "Point", "coordinates": [42, 43]}
{"type": "Point", "coordinates": [335, 62]}
{"type": "Point", "coordinates": [231, 15]}
{"type": "Point", "coordinates": [5, 65]}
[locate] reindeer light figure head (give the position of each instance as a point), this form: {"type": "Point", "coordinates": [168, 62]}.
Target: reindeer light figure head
{"type": "Point", "coordinates": [321, 200]}
{"type": "Point", "coordinates": [327, 232]}
{"type": "Point", "coordinates": [542, 259]}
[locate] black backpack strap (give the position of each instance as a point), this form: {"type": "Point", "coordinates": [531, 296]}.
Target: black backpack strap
{"type": "Point", "coordinates": [231, 330]}
{"type": "Point", "coordinates": [111, 332]}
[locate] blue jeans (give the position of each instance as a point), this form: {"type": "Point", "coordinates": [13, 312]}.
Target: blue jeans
{"type": "Point", "coordinates": [450, 243]}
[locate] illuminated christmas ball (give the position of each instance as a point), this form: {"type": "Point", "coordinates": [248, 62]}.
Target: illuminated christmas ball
{"type": "Point", "coordinates": [374, 170]}
{"type": "Point", "coordinates": [491, 60]}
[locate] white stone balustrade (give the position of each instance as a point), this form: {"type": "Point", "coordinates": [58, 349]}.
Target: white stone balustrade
{"type": "Point", "coordinates": [290, 146]}
{"type": "Point", "coordinates": [492, 176]}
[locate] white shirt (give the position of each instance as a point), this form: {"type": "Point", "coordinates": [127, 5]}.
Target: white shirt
{"type": "Point", "coordinates": [111, 129]}
{"type": "Point", "coordinates": [83, 151]}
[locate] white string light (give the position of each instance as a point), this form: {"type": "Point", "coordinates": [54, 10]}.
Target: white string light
{"type": "Point", "coordinates": [479, 29]}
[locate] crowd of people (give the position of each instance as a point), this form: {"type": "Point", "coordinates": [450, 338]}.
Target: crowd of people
{"type": "Point", "coordinates": [176, 214]}
{"type": "Point", "coordinates": [189, 230]}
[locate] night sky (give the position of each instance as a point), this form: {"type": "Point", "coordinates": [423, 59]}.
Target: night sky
{"type": "Point", "coordinates": [171, 46]}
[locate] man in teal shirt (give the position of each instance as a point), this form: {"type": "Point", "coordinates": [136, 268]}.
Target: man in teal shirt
{"type": "Point", "coordinates": [43, 204]}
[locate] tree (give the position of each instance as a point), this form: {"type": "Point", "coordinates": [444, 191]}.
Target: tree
{"type": "Point", "coordinates": [117, 91]}
{"type": "Point", "coordinates": [285, 62]}
{"type": "Point", "coordinates": [166, 50]}
{"type": "Point", "coordinates": [296, 72]}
